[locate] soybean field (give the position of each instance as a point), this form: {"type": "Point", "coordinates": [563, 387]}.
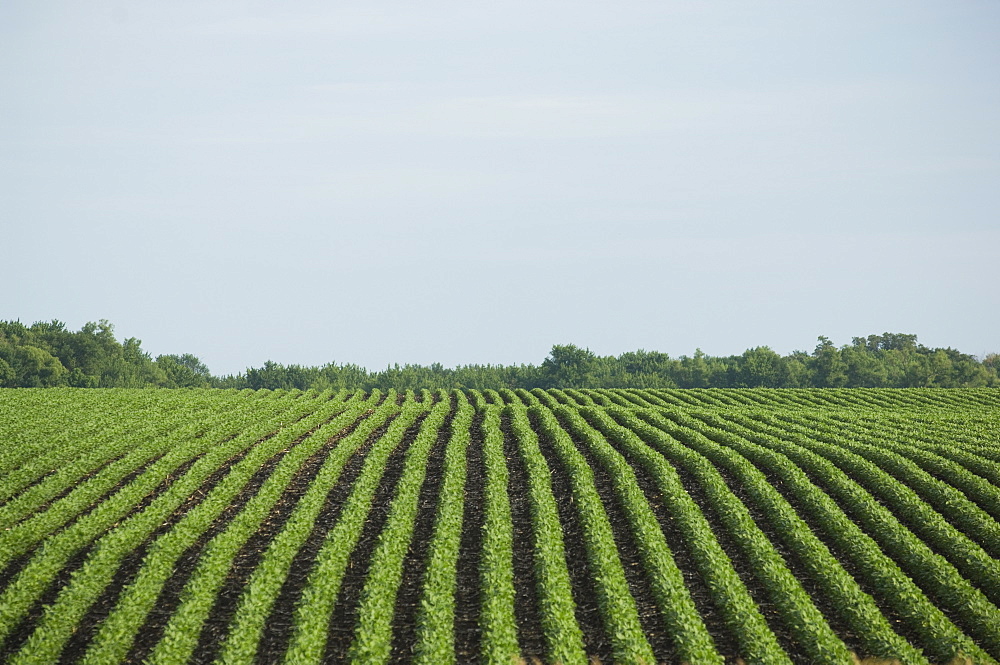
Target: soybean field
{"type": "Point", "coordinates": [710, 526]}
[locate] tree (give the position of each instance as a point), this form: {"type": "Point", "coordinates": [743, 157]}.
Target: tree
{"type": "Point", "coordinates": [760, 367]}
{"type": "Point", "coordinates": [829, 369]}
{"type": "Point", "coordinates": [8, 375]}
{"type": "Point", "coordinates": [640, 369]}
{"type": "Point", "coordinates": [991, 367]}
{"type": "Point", "coordinates": [695, 372]}
{"type": "Point", "coordinates": [886, 342]}
{"type": "Point", "coordinates": [864, 369]}
{"type": "Point", "coordinates": [48, 354]}
{"type": "Point", "coordinates": [185, 371]}
{"type": "Point", "coordinates": [569, 366]}
{"type": "Point", "coordinates": [77, 379]}
{"type": "Point", "coordinates": [35, 367]}
{"type": "Point", "coordinates": [797, 370]}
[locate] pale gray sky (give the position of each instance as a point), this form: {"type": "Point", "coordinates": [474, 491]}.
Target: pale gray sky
{"type": "Point", "coordinates": [461, 182]}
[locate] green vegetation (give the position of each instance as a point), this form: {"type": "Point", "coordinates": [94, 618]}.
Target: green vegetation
{"type": "Point", "coordinates": [496, 526]}
{"type": "Point", "coordinates": [46, 354]}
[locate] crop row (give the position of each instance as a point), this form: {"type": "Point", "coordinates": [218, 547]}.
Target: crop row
{"type": "Point", "coordinates": [884, 574]}
{"type": "Point", "coordinates": [122, 537]}
{"type": "Point", "coordinates": [698, 526]}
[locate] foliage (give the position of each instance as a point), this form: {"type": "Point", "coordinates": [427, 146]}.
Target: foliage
{"type": "Point", "coordinates": [888, 361]}
{"type": "Point", "coordinates": [47, 354]}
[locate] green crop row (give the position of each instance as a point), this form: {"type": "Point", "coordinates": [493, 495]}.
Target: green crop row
{"type": "Point", "coordinates": [61, 617]}
{"type": "Point", "coordinates": [856, 608]}
{"type": "Point", "coordinates": [42, 428]}
{"type": "Point", "coordinates": [150, 451]}
{"type": "Point", "coordinates": [373, 637]}
{"type": "Point", "coordinates": [942, 581]}
{"type": "Point", "coordinates": [261, 591]}
{"type": "Point", "coordinates": [312, 615]}
{"type": "Point", "coordinates": [939, 514]}
{"type": "Point", "coordinates": [499, 644]}
{"type": "Point", "coordinates": [56, 551]}
{"type": "Point", "coordinates": [768, 526]}
{"type": "Point", "coordinates": [798, 614]}
{"type": "Point", "coordinates": [680, 616]}
{"type": "Point", "coordinates": [436, 619]}
{"type": "Point", "coordinates": [555, 593]}
{"type": "Point", "coordinates": [64, 461]}
{"type": "Point", "coordinates": [930, 468]}
{"type": "Point", "coordinates": [942, 640]}
{"type": "Point", "coordinates": [618, 610]}
{"type": "Point", "coordinates": [118, 630]}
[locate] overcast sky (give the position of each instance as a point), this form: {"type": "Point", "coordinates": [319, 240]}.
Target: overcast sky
{"type": "Point", "coordinates": [470, 182]}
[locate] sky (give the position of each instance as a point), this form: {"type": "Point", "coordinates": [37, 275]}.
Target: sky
{"type": "Point", "coordinates": [455, 182]}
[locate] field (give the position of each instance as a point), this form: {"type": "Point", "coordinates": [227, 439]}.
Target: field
{"type": "Point", "coordinates": [557, 526]}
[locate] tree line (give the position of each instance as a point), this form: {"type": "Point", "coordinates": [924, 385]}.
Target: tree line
{"type": "Point", "coordinates": [47, 354]}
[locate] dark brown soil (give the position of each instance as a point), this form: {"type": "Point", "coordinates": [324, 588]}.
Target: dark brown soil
{"type": "Point", "coordinates": [743, 565]}
{"type": "Point", "coordinates": [169, 598]}
{"type": "Point", "coordinates": [279, 625]}
{"type": "Point", "coordinates": [526, 608]}
{"type": "Point", "coordinates": [405, 614]}
{"type": "Point", "coordinates": [631, 559]}
{"type": "Point", "coordinates": [124, 575]}
{"type": "Point", "coordinates": [902, 626]}
{"type": "Point", "coordinates": [467, 590]}
{"type": "Point", "coordinates": [17, 637]}
{"type": "Point", "coordinates": [713, 617]}
{"type": "Point", "coordinates": [588, 614]}
{"type": "Point", "coordinates": [343, 621]}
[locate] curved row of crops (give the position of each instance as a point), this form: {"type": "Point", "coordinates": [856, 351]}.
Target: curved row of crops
{"type": "Point", "coordinates": [567, 526]}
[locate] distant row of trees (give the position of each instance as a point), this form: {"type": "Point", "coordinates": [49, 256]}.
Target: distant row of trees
{"type": "Point", "coordinates": [48, 354]}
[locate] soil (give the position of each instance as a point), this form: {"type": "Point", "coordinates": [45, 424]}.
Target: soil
{"type": "Point", "coordinates": [467, 594]}
{"type": "Point", "coordinates": [588, 614]}
{"type": "Point", "coordinates": [526, 609]}
{"type": "Point", "coordinates": [415, 565]}
{"type": "Point", "coordinates": [343, 621]}
{"type": "Point", "coordinates": [631, 560]}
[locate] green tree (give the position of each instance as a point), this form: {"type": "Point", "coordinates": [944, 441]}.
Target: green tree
{"type": "Point", "coordinates": [797, 372]}
{"type": "Point", "coordinates": [991, 369]}
{"type": "Point", "coordinates": [184, 371]}
{"type": "Point", "coordinates": [35, 367]}
{"type": "Point", "coordinates": [864, 368]}
{"type": "Point", "coordinates": [8, 375]}
{"type": "Point", "coordinates": [693, 371]}
{"type": "Point", "coordinates": [886, 342]}
{"type": "Point", "coordinates": [760, 367]}
{"type": "Point", "coordinates": [829, 369]}
{"type": "Point", "coordinates": [77, 379]}
{"type": "Point", "coordinates": [569, 366]}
